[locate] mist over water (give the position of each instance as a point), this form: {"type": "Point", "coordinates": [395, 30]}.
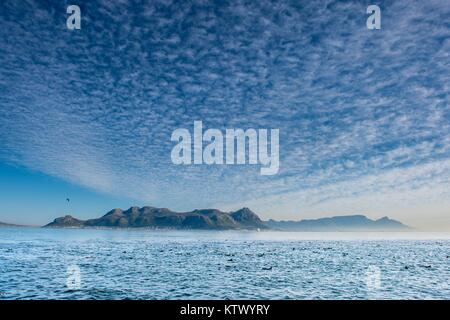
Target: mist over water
{"type": "Point", "coordinates": [149, 264]}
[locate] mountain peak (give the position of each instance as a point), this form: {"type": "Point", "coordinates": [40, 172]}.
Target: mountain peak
{"type": "Point", "coordinates": [248, 218]}
{"type": "Point", "coordinates": [116, 211]}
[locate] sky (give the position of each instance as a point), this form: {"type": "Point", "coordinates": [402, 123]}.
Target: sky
{"type": "Point", "coordinates": [363, 115]}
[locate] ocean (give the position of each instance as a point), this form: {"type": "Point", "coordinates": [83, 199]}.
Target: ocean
{"type": "Point", "coordinates": [37, 263]}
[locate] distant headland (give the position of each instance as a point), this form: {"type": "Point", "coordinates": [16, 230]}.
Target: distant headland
{"type": "Point", "coordinates": [3, 224]}
{"type": "Point", "coordinates": [150, 217]}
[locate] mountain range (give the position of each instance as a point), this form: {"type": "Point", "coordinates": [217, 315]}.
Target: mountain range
{"type": "Point", "coordinates": [214, 219]}
{"type": "Point", "coordinates": [150, 217]}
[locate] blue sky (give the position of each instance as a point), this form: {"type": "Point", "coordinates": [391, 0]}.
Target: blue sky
{"type": "Point", "coordinates": [363, 114]}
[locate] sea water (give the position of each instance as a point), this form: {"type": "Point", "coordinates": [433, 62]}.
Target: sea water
{"type": "Point", "coordinates": [37, 263]}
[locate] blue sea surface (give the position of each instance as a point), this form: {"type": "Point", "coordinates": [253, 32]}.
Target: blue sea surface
{"type": "Point", "coordinates": [36, 263]}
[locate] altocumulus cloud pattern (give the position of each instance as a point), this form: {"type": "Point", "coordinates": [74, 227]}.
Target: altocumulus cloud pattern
{"type": "Point", "coordinates": [361, 112]}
